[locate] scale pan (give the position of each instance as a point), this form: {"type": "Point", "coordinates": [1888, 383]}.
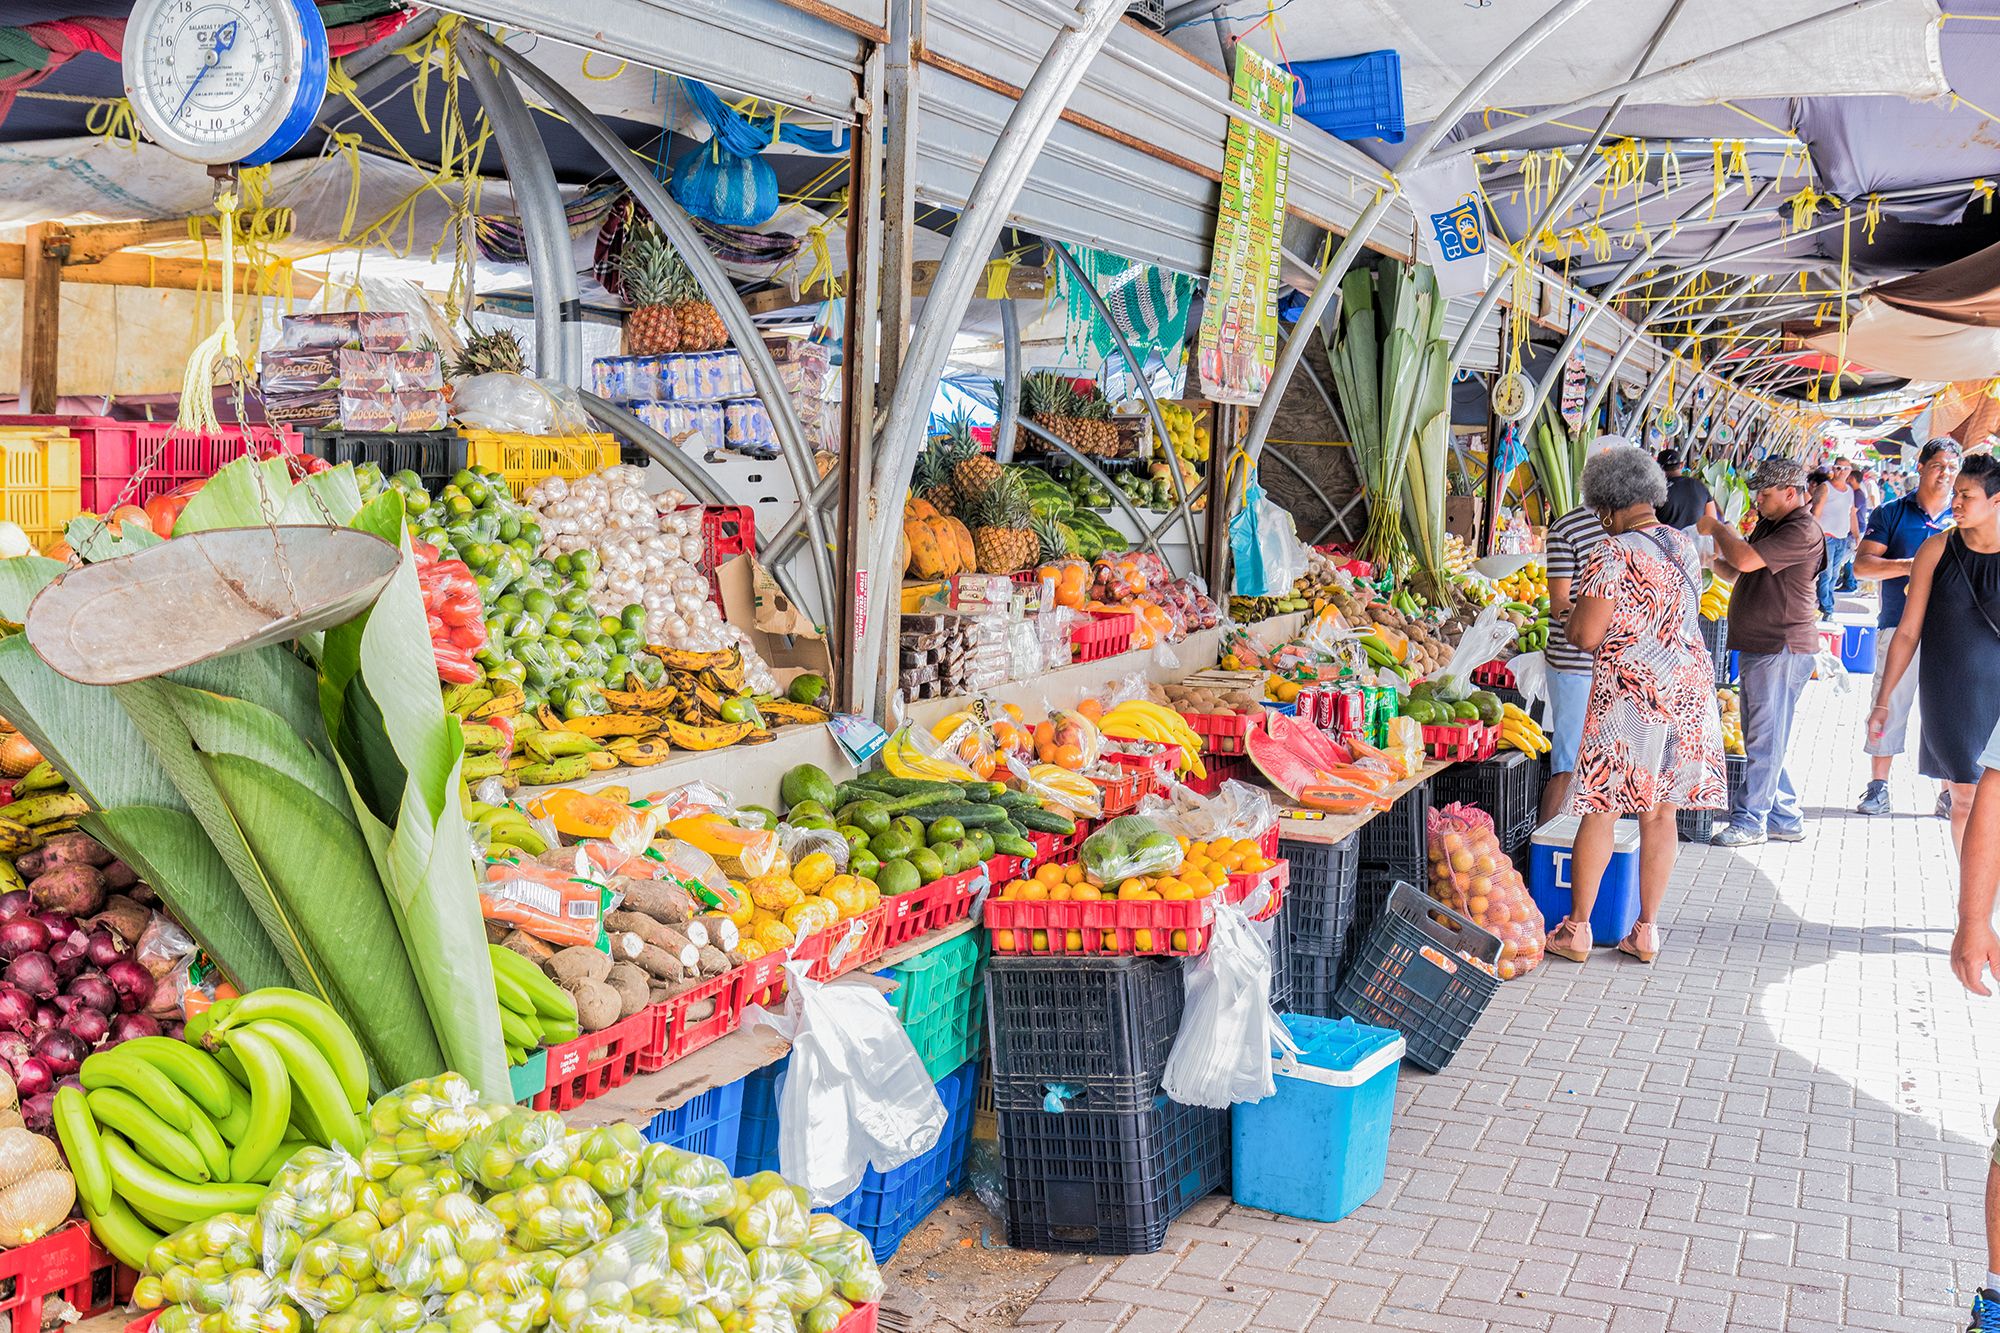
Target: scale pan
{"type": "Point", "coordinates": [204, 595]}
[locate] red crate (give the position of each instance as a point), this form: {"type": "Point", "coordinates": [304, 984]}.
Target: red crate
{"type": "Point", "coordinates": [845, 946]}
{"type": "Point", "coordinates": [1267, 843]}
{"type": "Point", "coordinates": [1243, 883]}
{"type": "Point", "coordinates": [1107, 635]}
{"type": "Point", "coordinates": [1221, 768]}
{"type": "Point", "coordinates": [1120, 793]}
{"type": "Point", "coordinates": [1012, 923]}
{"type": "Point", "coordinates": [113, 450]}
{"type": "Point", "coordinates": [1221, 733]}
{"type": "Point", "coordinates": [596, 1062]}
{"type": "Point", "coordinates": [685, 1034]}
{"type": "Point", "coordinates": [761, 981]}
{"type": "Point", "coordinates": [66, 1265]}
{"type": "Point", "coordinates": [1056, 846]}
{"type": "Point", "coordinates": [1461, 741]}
{"type": "Point", "coordinates": [862, 1319]}
{"type": "Point", "coordinates": [1494, 675]}
{"type": "Point", "coordinates": [1157, 768]}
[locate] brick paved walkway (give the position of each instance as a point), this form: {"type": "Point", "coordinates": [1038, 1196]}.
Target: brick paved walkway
{"type": "Point", "coordinates": [1781, 1125]}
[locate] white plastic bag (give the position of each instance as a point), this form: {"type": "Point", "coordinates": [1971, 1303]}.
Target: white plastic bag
{"type": "Point", "coordinates": [1482, 641]}
{"type": "Point", "coordinates": [1223, 1053]}
{"type": "Point", "coordinates": [1237, 810]}
{"type": "Point", "coordinates": [517, 404]}
{"type": "Point", "coordinates": [1531, 676]}
{"type": "Point", "coordinates": [855, 1094]}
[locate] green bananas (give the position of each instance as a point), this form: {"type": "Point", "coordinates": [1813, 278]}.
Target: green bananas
{"type": "Point", "coordinates": [534, 1011]}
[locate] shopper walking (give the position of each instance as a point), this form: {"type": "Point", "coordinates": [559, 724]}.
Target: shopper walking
{"type": "Point", "coordinates": [1889, 544]}
{"type": "Point", "coordinates": [1952, 614]}
{"type": "Point", "coordinates": [1652, 741]}
{"type": "Point", "coordinates": [1975, 955]}
{"type": "Point", "coordinates": [1688, 497]}
{"type": "Point", "coordinates": [1569, 542]}
{"type": "Point", "coordinates": [1834, 508]}
{"type": "Point", "coordinates": [1774, 634]}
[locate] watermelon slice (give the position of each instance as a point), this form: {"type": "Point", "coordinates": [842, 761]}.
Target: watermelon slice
{"type": "Point", "coordinates": [1307, 741]}
{"type": "Point", "coordinates": [1282, 766]}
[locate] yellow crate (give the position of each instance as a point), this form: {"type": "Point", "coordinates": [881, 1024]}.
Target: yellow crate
{"type": "Point", "coordinates": [523, 460]}
{"type": "Point", "coordinates": [43, 481]}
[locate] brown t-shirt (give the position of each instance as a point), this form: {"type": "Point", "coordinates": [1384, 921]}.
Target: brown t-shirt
{"type": "Point", "coordinates": [1776, 609]}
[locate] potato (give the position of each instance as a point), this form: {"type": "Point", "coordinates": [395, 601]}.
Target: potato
{"type": "Point", "coordinates": [579, 963]}
{"type": "Point", "coordinates": [633, 987]}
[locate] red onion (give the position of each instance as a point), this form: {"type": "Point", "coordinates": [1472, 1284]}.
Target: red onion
{"type": "Point", "coordinates": [59, 925]}
{"type": "Point", "coordinates": [68, 956]}
{"type": "Point", "coordinates": [134, 984]}
{"type": "Point", "coordinates": [39, 1112]}
{"type": "Point", "coordinates": [34, 973]}
{"type": "Point", "coordinates": [16, 902]}
{"type": "Point", "coordinates": [89, 1024]}
{"type": "Point", "coordinates": [47, 1016]}
{"type": "Point", "coordinates": [14, 1048]}
{"type": "Point", "coordinates": [89, 987]}
{"type": "Point", "coordinates": [34, 1077]}
{"type": "Point", "coordinates": [127, 1026]}
{"type": "Point", "coordinates": [175, 1029]}
{"type": "Point", "coordinates": [17, 1010]}
{"type": "Point", "coordinates": [22, 934]}
{"type": "Point", "coordinates": [102, 947]}
{"type": "Point", "coordinates": [61, 1050]}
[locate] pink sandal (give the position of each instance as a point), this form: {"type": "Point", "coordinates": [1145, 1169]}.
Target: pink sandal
{"type": "Point", "coordinates": [1571, 940]}
{"type": "Point", "coordinates": [1643, 943]}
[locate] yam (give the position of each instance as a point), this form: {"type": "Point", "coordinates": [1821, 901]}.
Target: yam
{"type": "Point", "coordinates": [536, 951]}
{"type": "Point", "coordinates": [647, 928]}
{"type": "Point", "coordinates": [37, 1204]}
{"type": "Point", "coordinates": [579, 963]}
{"type": "Point", "coordinates": [633, 987]}
{"type": "Point", "coordinates": [497, 931]}
{"type": "Point", "coordinates": [124, 918]}
{"type": "Point", "coordinates": [624, 945]}
{"type": "Point", "coordinates": [597, 1004]}
{"type": "Point", "coordinates": [667, 967]}
{"type": "Point", "coordinates": [714, 962]}
{"type": "Point", "coordinates": [663, 902]}
{"type": "Point", "coordinates": [722, 932]}
{"type": "Point", "coordinates": [660, 994]}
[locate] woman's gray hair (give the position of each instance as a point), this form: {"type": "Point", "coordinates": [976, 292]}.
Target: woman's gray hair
{"type": "Point", "coordinates": [1620, 478]}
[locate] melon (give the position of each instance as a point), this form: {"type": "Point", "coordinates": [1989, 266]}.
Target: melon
{"type": "Point", "coordinates": [1282, 766]}
{"type": "Point", "coordinates": [1307, 741]}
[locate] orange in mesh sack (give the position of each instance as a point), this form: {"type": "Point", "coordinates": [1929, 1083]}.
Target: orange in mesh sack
{"type": "Point", "coordinates": [1470, 874]}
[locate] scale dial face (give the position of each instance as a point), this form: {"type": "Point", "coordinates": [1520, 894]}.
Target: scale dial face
{"type": "Point", "coordinates": [220, 81]}
{"type": "Point", "coordinates": [1510, 396]}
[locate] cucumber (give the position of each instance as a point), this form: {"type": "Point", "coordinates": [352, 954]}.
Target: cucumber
{"type": "Point", "coordinates": [965, 812]}
{"type": "Point", "coordinates": [1017, 800]}
{"type": "Point", "coordinates": [1045, 821]}
{"type": "Point", "coordinates": [925, 802]}
{"type": "Point", "coordinates": [983, 791]}
{"type": "Point", "coordinates": [895, 786]}
{"type": "Point", "coordinates": [1009, 844]}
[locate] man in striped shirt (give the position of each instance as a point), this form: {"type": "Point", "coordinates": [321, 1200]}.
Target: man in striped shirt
{"type": "Point", "coordinates": [1569, 541]}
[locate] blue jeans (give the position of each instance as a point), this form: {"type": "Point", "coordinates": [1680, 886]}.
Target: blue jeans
{"type": "Point", "coordinates": [1839, 550]}
{"type": "Point", "coordinates": [1569, 703]}
{"type": "Point", "coordinates": [1771, 686]}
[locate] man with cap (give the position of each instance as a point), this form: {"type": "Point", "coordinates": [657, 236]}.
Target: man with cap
{"type": "Point", "coordinates": [1569, 540]}
{"type": "Point", "coordinates": [1687, 495]}
{"type": "Point", "coordinates": [1888, 547]}
{"type": "Point", "coordinates": [1773, 628]}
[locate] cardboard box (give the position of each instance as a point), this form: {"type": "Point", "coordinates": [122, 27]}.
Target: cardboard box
{"type": "Point", "coordinates": [783, 635]}
{"type": "Point", "coordinates": [1461, 517]}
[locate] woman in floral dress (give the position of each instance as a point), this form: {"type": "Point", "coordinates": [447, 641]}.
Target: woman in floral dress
{"type": "Point", "coordinates": [1652, 743]}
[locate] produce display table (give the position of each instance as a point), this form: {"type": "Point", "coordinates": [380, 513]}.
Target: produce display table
{"type": "Point", "coordinates": [1295, 825]}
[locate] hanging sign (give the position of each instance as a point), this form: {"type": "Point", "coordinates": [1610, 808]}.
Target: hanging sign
{"type": "Point", "coordinates": [1451, 225]}
{"type": "Point", "coordinates": [1575, 382]}
{"type": "Point", "coordinates": [1239, 323]}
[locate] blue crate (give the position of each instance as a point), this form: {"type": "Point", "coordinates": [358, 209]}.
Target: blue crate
{"type": "Point", "coordinates": [1319, 1146]}
{"type": "Point", "coordinates": [709, 1123]}
{"type": "Point", "coordinates": [888, 1205]}
{"type": "Point", "coordinates": [1353, 97]}
{"type": "Point", "coordinates": [1857, 649]}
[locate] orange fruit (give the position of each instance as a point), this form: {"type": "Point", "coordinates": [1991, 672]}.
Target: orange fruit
{"type": "Point", "coordinates": [1174, 891]}
{"type": "Point", "coordinates": [1074, 873]}
{"type": "Point", "coordinates": [1142, 940]}
{"type": "Point", "coordinates": [1247, 846]}
{"type": "Point", "coordinates": [1034, 891]}
{"type": "Point", "coordinates": [1067, 756]}
{"type": "Point", "coordinates": [1180, 940]}
{"type": "Point", "coordinates": [1050, 873]}
{"type": "Point", "coordinates": [1110, 940]}
{"type": "Point", "coordinates": [1060, 893]}
{"type": "Point", "coordinates": [1087, 893]}
{"type": "Point", "coordinates": [1073, 941]}
{"type": "Point", "coordinates": [1091, 708]}
{"type": "Point", "coordinates": [1040, 940]}
{"type": "Point", "coordinates": [1003, 940]}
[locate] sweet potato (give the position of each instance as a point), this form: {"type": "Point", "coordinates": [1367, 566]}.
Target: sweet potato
{"type": "Point", "coordinates": [579, 963]}
{"type": "Point", "coordinates": [661, 901]}
{"type": "Point", "coordinates": [497, 931]}
{"type": "Point", "coordinates": [118, 875]}
{"type": "Point", "coordinates": [63, 849]}
{"type": "Point", "coordinates": [72, 888]}
{"type": "Point", "coordinates": [632, 985]}
{"type": "Point", "coordinates": [536, 951]}
{"type": "Point", "coordinates": [124, 918]}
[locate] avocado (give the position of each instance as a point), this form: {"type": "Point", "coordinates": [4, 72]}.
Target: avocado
{"type": "Point", "coordinates": [1489, 706]}
{"type": "Point", "coordinates": [807, 782]}
{"type": "Point", "coordinates": [1465, 711]}
{"type": "Point", "coordinates": [898, 876]}
{"type": "Point", "coordinates": [806, 689]}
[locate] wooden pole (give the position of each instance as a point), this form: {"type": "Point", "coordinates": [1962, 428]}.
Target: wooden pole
{"type": "Point", "coordinates": [42, 254]}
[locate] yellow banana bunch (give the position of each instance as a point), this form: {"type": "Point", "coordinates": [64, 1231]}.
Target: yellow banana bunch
{"type": "Point", "coordinates": [1064, 781]}
{"type": "Point", "coordinates": [902, 757]}
{"type": "Point", "coordinates": [1715, 599]}
{"type": "Point", "coordinates": [1144, 720]}
{"type": "Point", "coordinates": [1521, 732]}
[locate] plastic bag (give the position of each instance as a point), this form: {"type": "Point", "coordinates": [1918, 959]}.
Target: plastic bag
{"type": "Point", "coordinates": [855, 1094]}
{"type": "Point", "coordinates": [1531, 676]}
{"type": "Point", "coordinates": [1485, 639]}
{"type": "Point", "coordinates": [566, 1216]}
{"type": "Point", "coordinates": [1406, 742]}
{"type": "Point", "coordinates": [1129, 845]}
{"type": "Point", "coordinates": [847, 1258]}
{"type": "Point", "coordinates": [432, 1252]}
{"type": "Point", "coordinates": [624, 1278]}
{"type": "Point", "coordinates": [422, 1124]}
{"type": "Point", "coordinates": [1222, 1055]}
{"type": "Point", "coordinates": [561, 904]}
{"type": "Point", "coordinates": [686, 1188]}
{"type": "Point", "coordinates": [516, 404]}
{"type": "Point", "coordinates": [310, 1193]}
{"type": "Point", "coordinates": [1269, 557]}
{"type": "Point", "coordinates": [770, 1210]}
{"type": "Point", "coordinates": [1470, 874]}
{"type": "Point", "coordinates": [335, 1267]}
{"type": "Point", "coordinates": [1237, 810]}
{"type": "Point", "coordinates": [185, 1268]}
{"type": "Point", "coordinates": [1068, 739]}
{"type": "Point", "coordinates": [1058, 789]}
{"type": "Point", "coordinates": [1827, 666]}
{"type": "Point", "coordinates": [714, 1267]}
{"type": "Point", "coordinates": [519, 1149]}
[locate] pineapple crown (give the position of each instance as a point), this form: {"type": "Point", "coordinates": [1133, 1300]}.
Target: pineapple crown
{"type": "Point", "coordinates": [487, 353]}
{"type": "Point", "coordinates": [1004, 505]}
{"type": "Point", "coordinates": [652, 271]}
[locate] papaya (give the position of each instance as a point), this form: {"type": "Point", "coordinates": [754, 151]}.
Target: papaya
{"type": "Point", "coordinates": [927, 560]}
{"type": "Point", "coordinates": [918, 507]}
{"type": "Point", "coordinates": [962, 538]}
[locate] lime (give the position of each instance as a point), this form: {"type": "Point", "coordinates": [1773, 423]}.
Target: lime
{"type": "Point", "coordinates": [736, 710]}
{"type": "Point", "coordinates": [898, 876]}
{"type": "Point", "coordinates": [575, 601]}
{"type": "Point", "coordinates": [478, 493]}
{"type": "Point", "coordinates": [510, 602]}
{"type": "Point", "coordinates": [462, 478]}
{"type": "Point", "coordinates": [929, 864]}
{"type": "Point", "coordinates": [609, 624]}
{"type": "Point", "coordinates": [510, 528]}
{"type": "Point", "coordinates": [806, 689]}
{"type": "Point", "coordinates": [616, 667]}
{"type": "Point", "coordinates": [561, 623]}
{"type": "Point", "coordinates": [633, 618]}
{"type": "Point", "coordinates": [531, 532]}
{"type": "Point", "coordinates": [944, 829]}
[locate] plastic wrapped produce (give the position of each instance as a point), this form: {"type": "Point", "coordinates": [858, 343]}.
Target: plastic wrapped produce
{"type": "Point", "coordinates": [1470, 874]}
{"type": "Point", "coordinates": [687, 1188]}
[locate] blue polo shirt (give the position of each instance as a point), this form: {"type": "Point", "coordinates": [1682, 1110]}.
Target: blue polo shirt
{"type": "Point", "coordinates": [1901, 526]}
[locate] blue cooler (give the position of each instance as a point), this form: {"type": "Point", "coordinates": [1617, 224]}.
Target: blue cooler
{"type": "Point", "coordinates": [1617, 897]}
{"type": "Point", "coordinates": [1318, 1146]}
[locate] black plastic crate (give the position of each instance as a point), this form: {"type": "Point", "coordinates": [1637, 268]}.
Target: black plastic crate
{"type": "Point", "coordinates": [1102, 1026]}
{"type": "Point", "coordinates": [1736, 769]}
{"type": "Point", "coordinates": [1315, 979]}
{"type": "Point", "coordinates": [1274, 933]}
{"type": "Point", "coordinates": [1409, 975]}
{"type": "Point", "coordinates": [1694, 825]}
{"type": "Point", "coordinates": [1105, 1183]}
{"type": "Point", "coordinates": [1715, 636]}
{"type": "Point", "coordinates": [1396, 837]}
{"type": "Point", "coordinates": [1371, 896]}
{"type": "Point", "coordinates": [1503, 786]}
{"type": "Point", "coordinates": [436, 456]}
{"type": "Point", "coordinates": [1319, 902]}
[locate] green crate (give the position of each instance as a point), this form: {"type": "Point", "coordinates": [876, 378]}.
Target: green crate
{"type": "Point", "coordinates": [530, 1080]}
{"type": "Point", "coordinates": [941, 998]}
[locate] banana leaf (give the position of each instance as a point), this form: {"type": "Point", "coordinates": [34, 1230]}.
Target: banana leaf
{"type": "Point", "coordinates": [399, 753]}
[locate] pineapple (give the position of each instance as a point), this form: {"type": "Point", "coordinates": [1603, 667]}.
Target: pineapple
{"type": "Point", "coordinates": [972, 472]}
{"type": "Point", "coordinates": [931, 479]}
{"type": "Point", "coordinates": [650, 272]}
{"type": "Point", "coordinates": [490, 353]}
{"type": "Point", "coordinates": [702, 329]}
{"type": "Point", "coordinates": [1002, 539]}
{"type": "Point", "coordinates": [1052, 399]}
{"type": "Point", "coordinates": [1049, 539]}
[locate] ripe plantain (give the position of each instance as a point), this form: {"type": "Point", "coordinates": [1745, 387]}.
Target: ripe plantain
{"type": "Point", "coordinates": [786, 713]}
{"type": "Point", "coordinates": [47, 808]}
{"type": "Point", "coordinates": [567, 769]}
{"type": "Point", "coordinates": [504, 703]}
{"type": "Point", "coordinates": [558, 744]}
{"type": "Point", "coordinates": [612, 724]}
{"type": "Point", "coordinates": [715, 737]}
{"type": "Point", "coordinates": [641, 752]}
